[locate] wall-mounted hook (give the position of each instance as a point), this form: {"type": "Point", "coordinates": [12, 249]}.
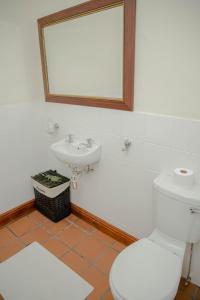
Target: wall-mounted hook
{"type": "Point", "coordinates": [52, 127]}
{"type": "Point", "coordinates": [127, 143]}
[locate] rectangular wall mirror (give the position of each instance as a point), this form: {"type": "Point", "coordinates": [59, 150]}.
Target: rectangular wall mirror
{"type": "Point", "coordinates": [87, 54]}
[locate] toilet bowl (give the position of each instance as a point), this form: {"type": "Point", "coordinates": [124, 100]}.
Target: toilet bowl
{"type": "Point", "coordinates": [148, 269]}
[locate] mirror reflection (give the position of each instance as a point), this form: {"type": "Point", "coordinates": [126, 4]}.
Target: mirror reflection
{"type": "Point", "coordinates": [84, 54]}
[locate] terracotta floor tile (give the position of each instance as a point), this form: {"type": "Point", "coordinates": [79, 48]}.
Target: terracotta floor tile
{"type": "Point", "coordinates": [96, 248]}
{"type": "Point", "coordinates": [75, 262]}
{"type": "Point", "coordinates": [118, 246]}
{"type": "Point", "coordinates": [39, 235]}
{"type": "Point", "coordinates": [6, 236]}
{"type": "Point", "coordinates": [188, 290]}
{"type": "Point", "coordinates": [182, 296]}
{"type": "Point", "coordinates": [22, 226]}
{"type": "Point", "coordinates": [99, 282]}
{"type": "Point", "coordinates": [90, 248]}
{"type": "Point", "coordinates": [85, 226]}
{"type": "Point", "coordinates": [196, 293]}
{"type": "Point", "coordinates": [105, 262]}
{"type": "Point", "coordinates": [182, 284]}
{"type": "Point", "coordinates": [56, 247]}
{"type": "Point", "coordinates": [72, 218]}
{"type": "Point", "coordinates": [95, 295]}
{"type": "Point", "coordinates": [183, 287]}
{"type": "Point", "coordinates": [53, 227]}
{"type": "Point", "coordinates": [103, 286]}
{"type": "Point", "coordinates": [71, 235]}
{"type": "Point", "coordinates": [108, 296]}
{"type": "Point", "coordinates": [37, 217]}
{"type": "Point", "coordinates": [93, 276]}
{"type": "Point", "coordinates": [10, 250]}
{"type": "Point", "coordinates": [104, 237]}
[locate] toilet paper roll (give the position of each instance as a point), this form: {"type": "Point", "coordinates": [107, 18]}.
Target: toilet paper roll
{"type": "Point", "coordinates": [184, 177]}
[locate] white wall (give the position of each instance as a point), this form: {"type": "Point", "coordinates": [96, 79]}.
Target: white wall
{"type": "Point", "coordinates": [166, 74]}
{"type": "Point", "coordinates": [167, 57]}
{"type": "Point", "coordinates": [22, 152]}
{"type": "Point", "coordinates": [119, 190]}
{"type": "Point", "coordinates": [167, 65]}
{"type": "Point", "coordinates": [13, 79]}
{"type": "Point", "coordinates": [22, 146]}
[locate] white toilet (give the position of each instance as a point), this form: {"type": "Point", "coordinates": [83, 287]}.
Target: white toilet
{"type": "Point", "coordinates": [150, 269]}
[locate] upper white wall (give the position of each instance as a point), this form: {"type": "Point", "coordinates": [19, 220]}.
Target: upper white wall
{"type": "Point", "coordinates": [167, 64]}
{"type": "Point", "coordinates": [13, 72]}
{"type": "Point", "coordinates": [20, 72]}
{"type": "Point", "coordinates": [167, 68]}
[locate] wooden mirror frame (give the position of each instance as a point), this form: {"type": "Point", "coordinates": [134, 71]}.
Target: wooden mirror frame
{"type": "Point", "coordinates": [128, 53]}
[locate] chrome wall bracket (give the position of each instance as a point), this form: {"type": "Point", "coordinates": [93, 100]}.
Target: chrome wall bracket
{"type": "Point", "coordinates": [127, 143]}
{"type": "Point", "coordinates": [195, 210]}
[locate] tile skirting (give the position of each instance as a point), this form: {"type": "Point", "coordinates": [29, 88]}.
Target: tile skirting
{"type": "Point", "coordinates": [104, 226]}
{"type": "Point", "coordinates": [16, 212]}
{"type": "Point", "coordinates": [97, 222]}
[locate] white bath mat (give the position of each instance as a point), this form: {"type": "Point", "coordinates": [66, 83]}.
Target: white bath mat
{"type": "Point", "coordinates": [36, 274]}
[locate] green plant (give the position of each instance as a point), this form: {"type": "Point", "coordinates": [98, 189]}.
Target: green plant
{"type": "Point", "coordinates": [54, 178]}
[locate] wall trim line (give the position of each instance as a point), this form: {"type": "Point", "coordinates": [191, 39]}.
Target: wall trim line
{"type": "Point", "coordinates": [104, 226]}
{"type": "Point", "coordinates": [97, 222]}
{"type": "Point", "coordinates": [16, 212]}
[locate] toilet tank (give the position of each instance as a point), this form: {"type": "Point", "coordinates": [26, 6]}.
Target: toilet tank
{"type": "Point", "coordinates": [176, 209]}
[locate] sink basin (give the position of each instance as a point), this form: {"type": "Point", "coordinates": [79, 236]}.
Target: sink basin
{"type": "Point", "coordinates": [77, 152]}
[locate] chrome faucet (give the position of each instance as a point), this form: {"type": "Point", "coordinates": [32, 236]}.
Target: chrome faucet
{"type": "Point", "coordinates": [70, 138]}
{"type": "Point", "coordinates": [88, 143]}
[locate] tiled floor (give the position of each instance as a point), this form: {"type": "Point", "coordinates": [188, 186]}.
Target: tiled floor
{"type": "Point", "coordinates": [83, 248]}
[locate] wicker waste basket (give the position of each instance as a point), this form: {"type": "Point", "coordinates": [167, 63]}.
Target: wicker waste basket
{"type": "Point", "coordinates": [52, 194]}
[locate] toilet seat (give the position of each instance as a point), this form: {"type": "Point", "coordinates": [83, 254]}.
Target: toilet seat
{"type": "Point", "coordinates": [145, 270]}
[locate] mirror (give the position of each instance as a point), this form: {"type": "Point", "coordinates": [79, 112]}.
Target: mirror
{"type": "Point", "coordinates": [87, 54]}
{"type": "Point", "coordinates": [75, 44]}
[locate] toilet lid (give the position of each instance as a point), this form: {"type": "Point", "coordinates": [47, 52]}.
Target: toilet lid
{"type": "Point", "coordinates": [145, 270]}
